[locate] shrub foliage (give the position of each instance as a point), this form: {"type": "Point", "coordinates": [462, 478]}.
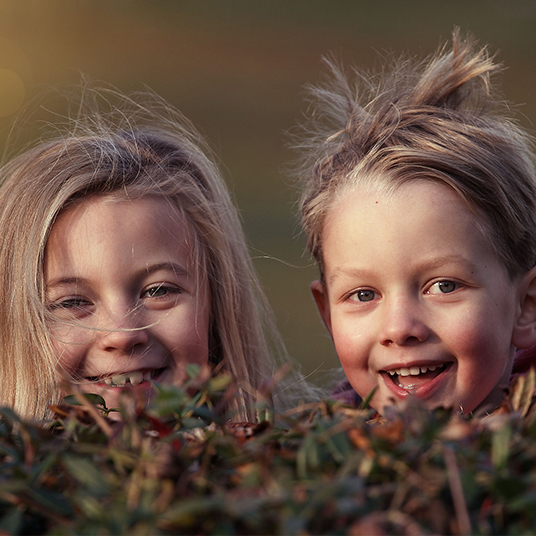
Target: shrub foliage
{"type": "Point", "coordinates": [178, 467]}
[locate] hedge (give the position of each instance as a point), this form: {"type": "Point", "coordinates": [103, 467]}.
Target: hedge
{"type": "Point", "coordinates": [178, 467]}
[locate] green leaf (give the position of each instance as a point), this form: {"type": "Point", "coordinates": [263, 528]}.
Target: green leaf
{"type": "Point", "coordinates": [220, 383]}
{"type": "Point", "coordinates": [52, 501]}
{"type": "Point", "coordinates": [10, 523]}
{"type": "Point", "coordinates": [9, 414]}
{"type": "Point", "coordinates": [86, 473]}
{"type": "Point", "coordinates": [366, 401]}
{"type": "Point", "coordinates": [186, 512]}
{"type": "Point", "coordinates": [92, 398]}
{"type": "Point", "coordinates": [192, 370]}
{"type": "Point", "coordinates": [308, 456]}
{"type": "Point", "coordinates": [501, 446]}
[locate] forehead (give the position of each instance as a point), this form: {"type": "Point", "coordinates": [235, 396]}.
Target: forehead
{"type": "Point", "coordinates": [424, 217]}
{"type": "Point", "coordinates": [98, 212]}
{"type": "Point", "coordinates": [102, 227]}
{"type": "Point", "coordinates": [432, 196]}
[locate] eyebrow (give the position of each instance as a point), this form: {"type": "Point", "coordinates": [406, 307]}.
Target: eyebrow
{"type": "Point", "coordinates": [169, 266]}
{"type": "Point", "coordinates": [352, 272]}
{"type": "Point", "coordinates": [431, 264]}
{"type": "Point", "coordinates": [147, 270]}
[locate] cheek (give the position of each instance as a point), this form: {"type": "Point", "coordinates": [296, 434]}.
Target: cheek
{"type": "Point", "coordinates": [69, 345]}
{"type": "Point", "coordinates": [346, 345]}
{"type": "Point", "coordinates": [350, 340]}
{"type": "Point", "coordinates": [187, 339]}
{"type": "Point", "coordinates": [353, 350]}
{"type": "Point", "coordinates": [483, 350]}
{"type": "Point", "coordinates": [484, 335]}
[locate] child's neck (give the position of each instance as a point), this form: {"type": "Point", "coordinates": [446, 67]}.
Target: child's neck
{"type": "Point", "coordinates": [492, 401]}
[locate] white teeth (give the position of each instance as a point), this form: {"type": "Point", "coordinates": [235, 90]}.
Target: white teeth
{"type": "Point", "coordinates": [412, 371]}
{"type": "Point", "coordinates": [134, 378]}
{"type": "Point", "coordinates": [120, 379]}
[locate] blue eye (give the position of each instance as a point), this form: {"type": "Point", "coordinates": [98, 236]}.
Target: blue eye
{"type": "Point", "coordinates": [363, 295]}
{"type": "Point", "coordinates": [443, 287]}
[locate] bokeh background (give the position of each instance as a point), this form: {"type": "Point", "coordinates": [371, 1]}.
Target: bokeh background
{"type": "Point", "coordinates": [237, 69]}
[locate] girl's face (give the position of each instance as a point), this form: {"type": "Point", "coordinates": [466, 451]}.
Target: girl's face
{"type": "Point", "coordinates": [126, 300]}
{"type": "Point", "coordinates": [415, 299]}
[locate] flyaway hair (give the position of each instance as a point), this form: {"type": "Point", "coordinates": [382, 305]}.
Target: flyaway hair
{"type": "Point", "coordinates": [438, 119]}
{"type": "Point", "coordinates": [127, 147]}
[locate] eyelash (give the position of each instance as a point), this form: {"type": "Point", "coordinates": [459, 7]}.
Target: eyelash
{"type": "Point", "coordinates": [69, 303]}
{"type": "Point", "coordinates": [75, 302]}
{"type": "Point", "coordinates": [438, 283]}
{"type": "Point", "coordinates": [170, 289]}
{"type": "Point", "coordinates": [354, 296]}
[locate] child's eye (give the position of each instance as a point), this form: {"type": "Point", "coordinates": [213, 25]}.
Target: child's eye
{"type": "Point", "coordinates": [72, 306]}
{"type": "Point", "coordinates": [364, 295]}
{"type": "Point", "coordinates": [443, 287]}
{"type": "Point", "coordinates": [160, 291]}
{"type": "Point", "coordinates": [69, 303]}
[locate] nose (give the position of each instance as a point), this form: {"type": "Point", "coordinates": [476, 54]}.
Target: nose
{"type": "Point", "coordinates": [124, 333]}
{"type": "Point", "coordinates": [402, 322]}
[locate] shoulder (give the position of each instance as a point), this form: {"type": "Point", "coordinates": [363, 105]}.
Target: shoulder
{"type": "Point", "coordinates": [524, 360]}
{"type": "Point", "coordinates": [344, 392]}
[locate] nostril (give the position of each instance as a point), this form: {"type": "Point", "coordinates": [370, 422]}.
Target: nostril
{"type": "Point", "coordinates": [123, 339]}
{"type": "Point", "coordinates": [404, 334]}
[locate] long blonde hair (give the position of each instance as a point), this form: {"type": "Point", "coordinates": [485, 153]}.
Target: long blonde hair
{"type": "Point", "coordinates": [140, 146]}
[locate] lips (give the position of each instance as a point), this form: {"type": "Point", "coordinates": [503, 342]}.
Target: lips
{"type": "Point", "coordinates": [125, 379]}
{"type": "Point", "coordinates": [411, 377]}
{"type": "Point", "coordinates": [420, 380]}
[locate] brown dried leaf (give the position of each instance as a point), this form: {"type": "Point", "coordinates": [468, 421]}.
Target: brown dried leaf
{"type": "Point", "coordinates": [392, 431]}
{"type": "Point", "coordinates": [359, 439]}
{"type": "Point", "coordinates": [522, 392]}
{"type": "Point", "coordinates": [457, 429]}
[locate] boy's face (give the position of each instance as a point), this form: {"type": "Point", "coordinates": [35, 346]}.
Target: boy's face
{"type": "Point", "coordinates": [415, 299]}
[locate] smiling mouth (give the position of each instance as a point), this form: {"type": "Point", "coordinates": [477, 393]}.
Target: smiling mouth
{"type": "Point", "coordinates": [412, 377]}
{"type": "Point", "coordinates": [126, 379]}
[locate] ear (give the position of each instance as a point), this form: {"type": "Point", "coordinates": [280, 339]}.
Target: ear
{"type": "Point", "coordinates": [524, 334]}
{"type": "Point", "coordinates": [320, 294]}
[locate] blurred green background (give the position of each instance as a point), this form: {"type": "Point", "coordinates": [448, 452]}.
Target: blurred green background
{"type": "Point", "coordinates": [237, 69]}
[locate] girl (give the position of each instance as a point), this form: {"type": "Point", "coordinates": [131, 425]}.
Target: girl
{"type": "Point", "coordinates": [122, 260]}
{"type": "Point", "coordinates": [419, 204]}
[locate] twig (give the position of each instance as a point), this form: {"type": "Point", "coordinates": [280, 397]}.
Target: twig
{"type": "Point", "coordinates": [90, 408]}
{"type": "Point", "coordinates": [456, 489]}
